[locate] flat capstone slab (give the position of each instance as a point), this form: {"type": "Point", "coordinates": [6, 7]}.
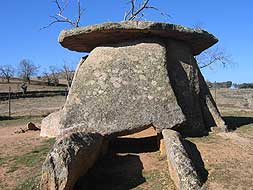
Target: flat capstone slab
{"type": "Point", "coordinates": [85, 39]}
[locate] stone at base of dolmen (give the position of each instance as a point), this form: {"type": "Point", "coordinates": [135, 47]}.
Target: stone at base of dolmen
{"type": "Point", "coordinates": [70, 158]}
{"type": "Point", "coordinates": [50, 125]}
{"type": "Point", "coordinates": [181, 168]}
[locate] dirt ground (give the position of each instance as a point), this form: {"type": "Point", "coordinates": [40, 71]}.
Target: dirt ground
{"type": "Point", "coordinates": [18, 155]}
{"type": "Point", "coordinates": [133, 162]}
{"type": "Point", "coordinates": [228, 159]}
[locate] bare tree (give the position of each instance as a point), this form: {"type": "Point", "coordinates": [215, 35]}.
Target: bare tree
{"type": "Point", "coordinates": [212, 56]}
{"type": "Point", "coordinates": [54, 75]}
{"type": "Point", "coordinates": [136, 10]}
{"type": "Point", "coordinates": [68, 74]}
{"type": "Point", "coordinates": [7, 71]}
{"type": "Point", "coordinates": [46, 77]}
{"type": "Point", "coordinates": [27, 69]}
{"type": "Point", "coordinates": [59, 17]}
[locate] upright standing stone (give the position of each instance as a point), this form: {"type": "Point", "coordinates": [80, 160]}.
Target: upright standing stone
{"type": "Point", "coordinates": [119, 90]}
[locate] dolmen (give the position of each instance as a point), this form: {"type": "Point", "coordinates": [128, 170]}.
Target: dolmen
{"type": "Point", "coordinates": [137, 74]}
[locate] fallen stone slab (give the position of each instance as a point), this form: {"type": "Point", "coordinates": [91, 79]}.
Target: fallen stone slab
{"type": "Point", "coordinates": [181, 168]}
{"type": "Point", "coordinates": [85, 39]}
{"type": "Point", "coordinates": [70, 158]}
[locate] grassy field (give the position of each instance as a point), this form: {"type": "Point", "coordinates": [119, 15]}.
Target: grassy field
{"type": "Point", "coordinates": [225, 159]}
{"type": "Point", "coordinates": [32, 106]}
{"type": "Point", "coordinates": [36, 85]}
{"type": "Point", "coordinates": [234, 100]}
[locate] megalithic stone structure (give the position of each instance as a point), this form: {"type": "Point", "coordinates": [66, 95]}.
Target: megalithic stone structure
{"type": "Point", "coordinates": [136, 75]}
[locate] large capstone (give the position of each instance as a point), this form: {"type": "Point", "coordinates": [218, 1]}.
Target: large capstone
{"type": "Point", "coordinates": [85, 39]}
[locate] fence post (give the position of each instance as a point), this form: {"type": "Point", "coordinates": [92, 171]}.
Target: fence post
{"type": "Point", "coordinates": [9, 102]}
{"type": "Point", "coordinates": [215, 91]}
{"type": "Point", "coordinates": [66, 92]}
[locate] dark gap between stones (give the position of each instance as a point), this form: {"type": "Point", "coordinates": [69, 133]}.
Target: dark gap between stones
{"type": "Point", "coordinates": [121, 167]}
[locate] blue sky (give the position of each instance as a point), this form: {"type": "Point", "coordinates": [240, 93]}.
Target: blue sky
{"type": "Point", "coordinates": [229, 20]}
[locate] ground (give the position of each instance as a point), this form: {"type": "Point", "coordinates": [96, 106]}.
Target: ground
{"type": "Point", "coordinates": [224, 160]}
{"type": "Point", "coordinates": [21, 155]}
{"type": "Point", "coordinates": [35, 85]}
{"type": "Point", "coordinates": [32, 106]}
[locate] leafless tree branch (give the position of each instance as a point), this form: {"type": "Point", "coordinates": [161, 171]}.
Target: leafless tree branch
{"type": "Point", "coordinates": [27, 69]}
{"type": "Point", "coordinates": [60, 18]}
{"type": "Point", "coordinates": [212, 56]}
{"type": "Point", "coordinates": [68, 73]}
{"type": "Point", "coordinates": [6, 71]}
{"type": "Point", "coordinates": [158, 10]}
{"type": "Point", "coordinates": [134, 12]}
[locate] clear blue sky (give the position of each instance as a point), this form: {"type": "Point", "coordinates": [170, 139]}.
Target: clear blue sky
{"type": "Point", "coordinates": [230, 20]}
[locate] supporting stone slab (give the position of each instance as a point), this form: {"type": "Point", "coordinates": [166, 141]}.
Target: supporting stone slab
{"type": "Point", "coordinates": [50, 125]}
{"type": "Point", "coordinates": [123, 89]}
{"type": "Point", "coordinates": [70, 158]}
{"type": "Point", "coordinates": [181, 168]}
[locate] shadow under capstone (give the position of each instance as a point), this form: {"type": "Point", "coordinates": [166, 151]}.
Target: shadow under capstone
{"type": "Point", "coordinates": [120, 168]}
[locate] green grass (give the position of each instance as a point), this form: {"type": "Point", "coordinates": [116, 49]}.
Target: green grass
{"type": "Point", "coordinates": [29, 184]}
{"type": "Point", "coordinates": [246, 131]}
{"type": "Point", "coordinates": [32, 158]}
{"type": "Point", "coordinates": [157, 180]}
{"type": "Point", "coordinates": [4, 122]}
{"type": "Point", "coordinates": [2, 160]}
{"type": "Point", "coordinates": [211, 138]}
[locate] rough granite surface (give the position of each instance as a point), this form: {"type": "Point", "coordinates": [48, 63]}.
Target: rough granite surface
{"type": "Point", "coordinates": [50, 125]}
{"type": "Point", "coordinates": [85, 39]}
{"type": "Point", "coordinates": [70, 158]}
{"type": "Point", "coordinates": [182, 170]}
{"type": "Point", "coordinates": [191, 91]}
{"type": "Point", "coordinates": [123, 89]}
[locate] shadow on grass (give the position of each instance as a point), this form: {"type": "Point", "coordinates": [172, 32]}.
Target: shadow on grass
{"type": "Point", "coordinates": [6, 121]}
{"type": "Point", "coordinates": [120, 168]}
{"type": "Point", "coordinates": [196, 158]}
{"type": "Point", "coordinates": [5, 118]}
{"type": "Point", "coordinates": [234, 122]}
